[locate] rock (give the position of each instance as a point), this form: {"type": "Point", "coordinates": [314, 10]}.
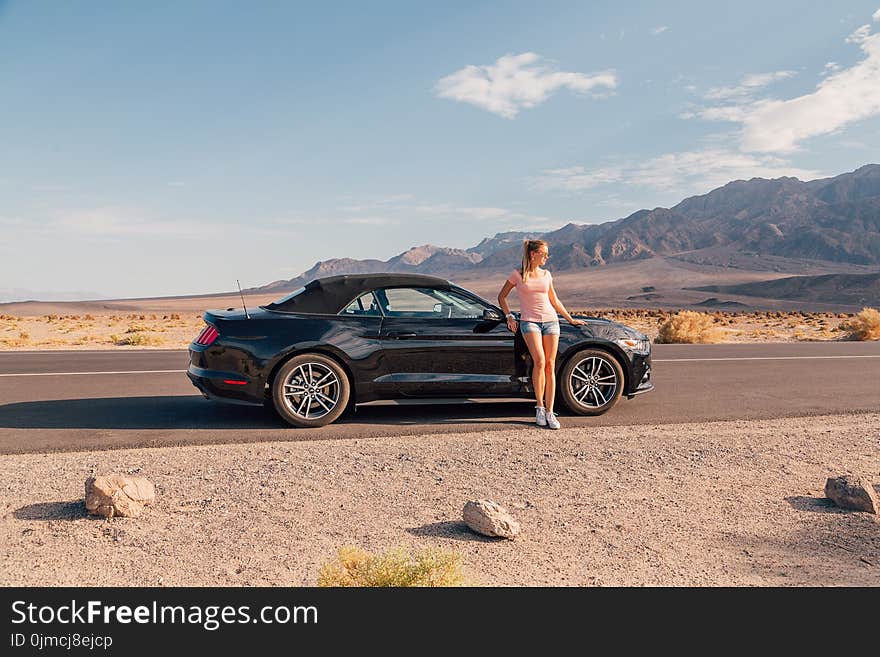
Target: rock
{"type": "Point", "coordinates": [118, 495]}
{"type": "Point", "coordinates": [490, 519]}
{"type": "Point", "coordinates": [851, 492]}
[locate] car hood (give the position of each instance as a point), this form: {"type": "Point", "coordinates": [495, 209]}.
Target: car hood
{"type": "Point", "coordinates": [605, 328]}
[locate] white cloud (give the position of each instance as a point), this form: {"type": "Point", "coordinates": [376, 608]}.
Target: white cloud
{"type": "Point", "coordinates": [576, 179]}
{"type": "Point", "coordinates": [876, 16]}
{"type": "Point", "coordinates": [845, 96]}
{"type": "Point", "coordinates": [830, 67]}
{"type": "Point", "coordinates": [394, 199]}
{"type": "Point", "coordinates": [470, 212]}
{"type": "Point", "coordinates": [517, 82]}
{"type": "Point", "coordinates": [12, 221]}
{"type": "Point", "coordinates": [370, 221]}
{"type": "Point", "coordinates": [695, 171]}
{"type": "Point", "coordinates": [748, 85]}
{"type": "Point", "coordinates": [660, 29]}
{"type": "Point", "coordinates": [379, 203]}
{"type": "Point", "coordinates": [859, 35]}
{"type": "Point", "coordinates": [120, 223]}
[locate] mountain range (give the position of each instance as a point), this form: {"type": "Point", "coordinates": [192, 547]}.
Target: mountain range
{"type": "Point", "coordinates": [780, 225]}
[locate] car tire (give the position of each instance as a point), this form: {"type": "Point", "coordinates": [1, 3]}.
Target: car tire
{"type": "Point", "coordinates": [310, 390]}
{"type": "Point", "coordinates": [585, 382]}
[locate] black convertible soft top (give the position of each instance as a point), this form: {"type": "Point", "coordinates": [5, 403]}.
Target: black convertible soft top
{"type": "Point", "coordinates": [327, 296]}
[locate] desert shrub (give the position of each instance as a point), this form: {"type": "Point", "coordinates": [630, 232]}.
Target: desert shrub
{"type": "Point", "coordinates": [89, 318]}
{"type": "Point", "coordinates": [136, 340]}
{"type": "Point", "coordinates": [864, 325]}
{"type": "Point", "coordinates": [355, 567]}
{"type": "Point", "coordinates": [689, 327]}
{"type": "Point", "coordinates": [136, 328]}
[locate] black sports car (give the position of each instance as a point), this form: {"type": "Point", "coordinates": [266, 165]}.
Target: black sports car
{"type": "Point", "coordinates": [344, 340]}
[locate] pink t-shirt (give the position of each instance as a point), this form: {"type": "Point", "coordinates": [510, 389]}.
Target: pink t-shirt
{"type": "Point", "coordinates": [534, 297]}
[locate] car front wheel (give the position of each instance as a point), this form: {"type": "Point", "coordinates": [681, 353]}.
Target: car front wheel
{"type": "Point", "coordinates": [592, 382]}
{"type": "Point", "coordinates": [310, 390]}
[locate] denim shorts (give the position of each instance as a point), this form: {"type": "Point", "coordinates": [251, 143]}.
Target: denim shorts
{"type": "Point", "coordinates": [544, 328]}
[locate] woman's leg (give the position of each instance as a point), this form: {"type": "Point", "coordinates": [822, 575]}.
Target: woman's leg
{"type": "Point", "coordinates": [536, 349]}
{"type": "Point", "coordinates": [551, 346]}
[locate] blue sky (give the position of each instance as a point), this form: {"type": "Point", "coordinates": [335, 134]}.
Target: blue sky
{"type": "Point", "coordinates": [171, 147]}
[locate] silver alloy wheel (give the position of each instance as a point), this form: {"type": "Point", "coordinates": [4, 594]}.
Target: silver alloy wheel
{"type": "Point", "coordinates": [593, 382]}
{"type": "Point", "coordinates": [311, 391]}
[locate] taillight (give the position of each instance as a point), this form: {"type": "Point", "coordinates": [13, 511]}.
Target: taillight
{"type": "Point", "coordinates": [207, 336]}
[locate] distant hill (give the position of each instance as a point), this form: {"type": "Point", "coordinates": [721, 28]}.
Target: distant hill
{"type": "Point", "coordinates": [850, 289]}
{"type": "Point", "coordinates": [777, 225]}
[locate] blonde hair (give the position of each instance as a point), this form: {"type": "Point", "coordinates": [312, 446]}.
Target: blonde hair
{"type": "Point", "coordinates": [529, 247]}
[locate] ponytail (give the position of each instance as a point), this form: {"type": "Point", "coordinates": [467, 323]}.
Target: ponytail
{"type": "Point", "coordinates": [529, 247]}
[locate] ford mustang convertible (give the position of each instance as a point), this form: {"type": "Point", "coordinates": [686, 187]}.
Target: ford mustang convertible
{"type": "Point", "coordinates": [345, 340]}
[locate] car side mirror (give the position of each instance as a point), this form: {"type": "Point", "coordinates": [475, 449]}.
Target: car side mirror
{"type": "Point", "coordinates": [491, 315]}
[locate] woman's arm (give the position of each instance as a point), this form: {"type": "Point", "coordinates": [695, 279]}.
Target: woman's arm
{"type": "Point", "coordinates": [557, 304]}
{"type": "Point", "coordinates": [502, 301]}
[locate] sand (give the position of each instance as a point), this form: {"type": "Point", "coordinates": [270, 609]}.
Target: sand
{"type": "Point", "coordinates": [175, 330]}
{"type": "Point", "coordinates": [708, 504]}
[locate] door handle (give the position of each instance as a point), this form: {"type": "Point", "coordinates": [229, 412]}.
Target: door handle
{"type": "Point", "coordinates": [395, 334]}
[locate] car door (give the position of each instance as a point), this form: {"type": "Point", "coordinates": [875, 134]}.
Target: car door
{"type": "Point", "coordinates": [437, 343]}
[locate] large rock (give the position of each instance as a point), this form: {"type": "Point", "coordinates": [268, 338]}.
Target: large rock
{"type": "Point", "coordinates": [118, 495]}
{"type": "Point", "coordinates": [851, 492]}
{"type": "Point", "coordinates": [490, 519]}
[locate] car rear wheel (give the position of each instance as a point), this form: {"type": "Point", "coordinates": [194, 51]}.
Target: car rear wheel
{"type": "Point", "coordinates": [310, 390]}
{"type": "Point", "coordinates": [592, 382]}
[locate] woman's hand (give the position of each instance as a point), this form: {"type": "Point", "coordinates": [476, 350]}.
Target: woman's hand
{"type": "Point", "coordinates": [511, 324]}
{"type": "Point", "coordinates": [576, 322]}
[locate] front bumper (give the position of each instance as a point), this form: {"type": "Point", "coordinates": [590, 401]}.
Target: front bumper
{"type": "Point", "coordinates": [645, 384]}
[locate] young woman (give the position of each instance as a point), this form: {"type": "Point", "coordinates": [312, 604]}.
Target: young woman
{"type": "Point", "coordinates": [539, 324]}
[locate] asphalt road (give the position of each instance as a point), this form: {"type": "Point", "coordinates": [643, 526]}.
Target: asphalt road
{"type": "Point", "coordinates": [79, 400]}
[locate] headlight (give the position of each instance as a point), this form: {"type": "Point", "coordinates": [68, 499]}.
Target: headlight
{"type": "Point", "coordinates": [636, 346]}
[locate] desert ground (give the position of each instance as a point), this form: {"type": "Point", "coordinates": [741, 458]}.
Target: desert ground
{"type": "Point", "coordinates": [724, 503]}
{"type": "Point", "coordinates": [642, 294]}
{"type": "Point", "coordinates": [168, 329]}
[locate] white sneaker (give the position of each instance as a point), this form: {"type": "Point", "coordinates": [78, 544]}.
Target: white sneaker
{"type": "Point", "coordinates": [552, 422]}
{"type": "Point", "coordinates": [540, 416]}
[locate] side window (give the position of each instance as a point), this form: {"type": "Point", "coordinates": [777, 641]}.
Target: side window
{"type": "Point", "coordinates": [428, 303]}
{"type": "Point", "coordinates": [363, 305]}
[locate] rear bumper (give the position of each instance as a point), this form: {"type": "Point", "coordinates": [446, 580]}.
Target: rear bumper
{"type": "Point", "coordinates": [214, 385]}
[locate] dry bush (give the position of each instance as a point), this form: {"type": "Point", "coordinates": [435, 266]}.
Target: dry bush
{"type": "Point", "coordinates": [356, 567]}
{"type": "Point", "coordinates": [689, 327]}
{"type": "Point", "coordinates": [136, 340]}
{"type": "Point", "coordinates": [136, 328]}
{"type": "Point", "coordinates": [864, 325]}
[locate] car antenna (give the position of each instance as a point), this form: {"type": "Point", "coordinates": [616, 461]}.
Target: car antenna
{"type": "Point", "coordinates": [246, 316]}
